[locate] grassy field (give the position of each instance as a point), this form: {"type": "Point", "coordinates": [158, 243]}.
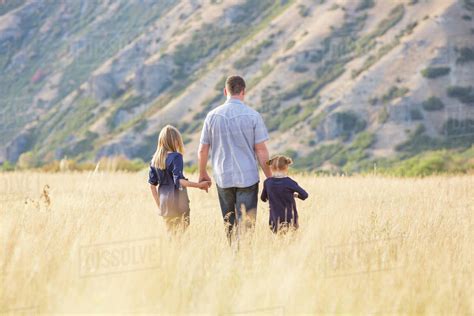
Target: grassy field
{"type": "Point", "coordinates": [93, 243]}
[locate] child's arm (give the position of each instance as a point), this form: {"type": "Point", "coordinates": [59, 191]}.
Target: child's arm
{"type": "Point", "coordinates": [153, 181]}
{"type": "Point", "coordinates": [154, 193]}
{"type": "Point", "coordinates": [204, 185]}
{"type": "Point", "coordinates": [264, 196]}
{"type": "Point", "coordinates": [179, 179]}
{"type": "Point", "coordinates": [302, 194]}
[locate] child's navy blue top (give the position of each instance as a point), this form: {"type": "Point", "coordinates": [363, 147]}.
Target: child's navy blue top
{"type": "Point", "coordinates": [173, 198]}
{"type": "Point", "coordinates": [280, 194]}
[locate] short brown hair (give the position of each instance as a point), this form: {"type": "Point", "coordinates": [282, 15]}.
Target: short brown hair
{"type": "Point", "coordinates": [235, 85]}
{"type": "Point", "coordinates": [279, 162]}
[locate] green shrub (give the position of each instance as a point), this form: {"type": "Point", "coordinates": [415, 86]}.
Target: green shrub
{"type": "Point", "coordinates": [245, 62]}
{"type": "Point", "coordinates": [382, 51]}
{"type": "Point", "coordinates": [318, 156]}
{"type": "Point", "coordinates": [295, 90]}
{"type": "Point", "coordinates": [10, 5]}
{"type": "Point", "coordinates": [364, 140]}
{"type": "Point", "coordinates": [367, 42]}
{"type": "Point", "coordinates": [460, 128]}
{"type": "Point", "coordinates": [86, 144]}
{"type": "Point", "coordinates": [325, 75]}
{"type": "Point", "coordinates": [293, 154]}
{"type": "Point", "coordinates": [303, 10]}
{"type": "Point", "coordinates": [435, 72]}
{"type": "Point", "coordinates": [252, 55]}
{"type": "Point", "coordinates": [394, 93]}
{"type": "Point", "coordinates": [365, 5]}
{"type": "Point", "coordinates": [220, 84]}
{"type": "Point", "coordinates": [72, 121]}
{"type": "Point", "coordinates": [383, 115]}
{"type": "Point", "coordinates": [213, 38]}
{"type": "Point", "coordinates": [314, 123]}
{"type": "Point", "coordinates": [416, 115]}
{"type": "Point", "coordinates": [420, 166]}
{"type": "Point", "coordinates": [349, 123]}
{"type": "Point", "coordinates": [469, 5]}
{"type": "Point", "coordinates": [285, 120]}
{"type": "Point", "coordinates": [194, 126]}
{"type": "Point", "coordinates": [128, 104]}
{"type": "Point", "coordinates": [463, 94]}
{"type": "Point", "coordinates": [395, 16]}
{"type": "Point", "coordinates": [300, 68]}
{"type": "Point", "coordinates": [373, 101]}
{"type": "Point", "coordinates": [433, 104]}
{"type": "Point", "coordinates": [348, 157]}
{"type": "Point", "coordinates": [7, 166]}
{"type": "Point", "coordinates": [290, 45]}
{"type": "Point", "coordinates": [466, 54]}
{"type": "Point", "coordinates": [409, 29]}
{"type": "Point", "coordinates": [309, 109]}
{"type": "Point", "coordinates": [432, 162]}
{"type": "Point", "coordinates": [418, 141]}
{"type": "Point", "coordinates": [140, 126]}
{"type": "Point", "coordinates": [132, 102]}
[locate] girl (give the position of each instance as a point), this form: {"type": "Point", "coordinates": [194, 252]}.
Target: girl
{"type": "Point", "coordinates": [281, 191]}
{"type": "Point", "coordinates": [166, 172]}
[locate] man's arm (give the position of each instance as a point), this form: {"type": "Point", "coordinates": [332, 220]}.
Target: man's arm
{"type": "Point", "coordinates": [203, 156]}
{"type": "Point", "coordinates": [261, 152]}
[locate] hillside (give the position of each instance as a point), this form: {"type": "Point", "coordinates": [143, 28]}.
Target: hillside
{"type": "Point", "coordinates": [341, 84]}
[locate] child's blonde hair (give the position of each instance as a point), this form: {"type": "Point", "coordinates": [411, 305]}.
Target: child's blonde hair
{"type": "Point", "coordinates": [279, 162]}
{"type": "Point", "coordinates": [170, 140]}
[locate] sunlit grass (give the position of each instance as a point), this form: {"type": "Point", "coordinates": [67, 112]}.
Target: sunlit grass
{"type": "Point", "coordinates": [365, 245]}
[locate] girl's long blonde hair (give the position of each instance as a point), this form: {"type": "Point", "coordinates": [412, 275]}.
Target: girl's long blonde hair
{"type": "Point", "coordinates": [170, 140]}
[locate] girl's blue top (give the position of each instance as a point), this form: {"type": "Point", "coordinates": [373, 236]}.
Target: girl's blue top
{"type": "Point", "coordinates": [280, 194]}
{"type": "Point", "coordinates": [173, 198]}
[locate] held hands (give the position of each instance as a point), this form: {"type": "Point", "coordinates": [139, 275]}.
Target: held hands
{"type": "Point", "coordinates": [204, 185]}
{"type": "Point", "coordinates": [205, 180]}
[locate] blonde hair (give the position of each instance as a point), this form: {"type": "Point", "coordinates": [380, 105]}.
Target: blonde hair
{"type": "Point", "coordinates": [169, 140]}
{"type": "Point", "coordinates": [279, 162]}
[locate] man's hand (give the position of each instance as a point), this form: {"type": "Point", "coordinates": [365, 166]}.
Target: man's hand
{"type": "Point", "coordinates": [203, 154]}
{"type": "Point", "coordinates": [204, 185]}
{"type": "Point", "coordinates": [261, 152]}
{"type": "Point", "coordinates": [205, 178]}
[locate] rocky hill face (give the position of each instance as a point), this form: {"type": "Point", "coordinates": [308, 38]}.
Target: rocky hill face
{"type": "Point", "coordinates": [340, 83]}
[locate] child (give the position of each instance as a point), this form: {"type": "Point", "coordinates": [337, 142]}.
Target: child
{"type": "Point", "coordinates": [166, 172]}
{"type": "Point", "coordinates": [281, 191]}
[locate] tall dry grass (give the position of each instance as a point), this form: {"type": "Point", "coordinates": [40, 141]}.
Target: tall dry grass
{"type": "Point", "coordinates": [93, 243]}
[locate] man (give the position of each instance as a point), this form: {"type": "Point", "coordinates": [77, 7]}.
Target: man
{"type": "Point", "coordinates": [235, 134]}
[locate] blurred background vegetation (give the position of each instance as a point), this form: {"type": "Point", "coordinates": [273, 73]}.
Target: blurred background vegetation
{"type": "Point", "coordinates": [347, 87]}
